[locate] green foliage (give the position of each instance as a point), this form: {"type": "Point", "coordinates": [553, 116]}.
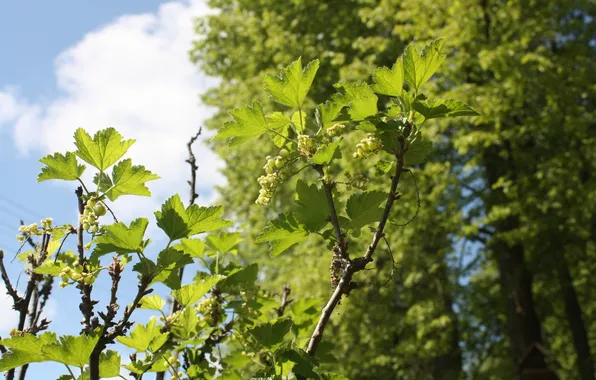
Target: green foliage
{"type": "Point", "coordinates": [60, 166]}
{"type": "Point", "coordinates": [292, 85]}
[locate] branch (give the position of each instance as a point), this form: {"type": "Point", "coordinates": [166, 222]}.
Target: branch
{"type": "Point", "coordinates": [342, 247]}
{"type": "Point", "coordinates": [284, 301]}
{"type": "Point", "coordinates": [7, 284]}
{"type": "Point", "coordinates": [345, 284]}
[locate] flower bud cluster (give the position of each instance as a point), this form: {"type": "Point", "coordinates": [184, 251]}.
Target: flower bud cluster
{"type": "Point", "coordinates": [367, 146]}
{"type": "Point", "coordinates": [93, 210]}
{"type": "Point", "coordinates": [211, 309]}
{"type": "Point", "coordinates": [335, 130]}
{"type": "Point", "coordinates": [306, 145]}
{"type": "Point", "coordinates": [272, 178]}
{"type": "Point", "coordinates": [76, 273]}
{"type": "Point", "coordinates": [34, 230]}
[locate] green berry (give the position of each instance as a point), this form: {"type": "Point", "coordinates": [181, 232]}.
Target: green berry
{"type": "Point", "coordinates": [99, 209]}
{"type": "Point", "coordinates": [95, 228]}
{"type": "Point", "coordinates": [91, 202]}
{"type": "Point", "coordinates": [284, 153]}
{"type": "Point", "coordinates": [279, 163]}
{"type": "Point", "coordinates": [86, 226]}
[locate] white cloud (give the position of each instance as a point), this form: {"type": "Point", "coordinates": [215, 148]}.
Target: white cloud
{"type": "Point", "coordinates": [9, 316]}
{"type": "Point", "coordinates": [133, 75]}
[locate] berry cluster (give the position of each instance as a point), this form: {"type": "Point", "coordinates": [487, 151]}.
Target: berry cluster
{"type": "Point", "coordinates": [75, 273]}
{"type": "Point", "coordinates": [272, 178]}
{"type": "Point", "coordinates": [335, 130]}
{"type": "Point", "coordinates": [93, 210]}
{"type": "Point", "coordinates": [367, 146]}
{"type": "Point", "coordinates": [306, 145]}
{"type": "Point", "coordinates": [174, 363]}
{"type": "Point", "coordinates": [34, 230]}
{"type": "Point", "coordinates": [211, 309]}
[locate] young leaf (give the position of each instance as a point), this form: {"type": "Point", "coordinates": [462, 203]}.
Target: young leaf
{"type": "Point", "coordinates": [361, 98]}
{"type": "Point", "coordinates": [299, 120]}
{"type": "Point", "coordinates": [185, 326]}
{"type": "Point", "coordinates": [418, 150]}
{"type": "Point", "coordinates": [223, 242]}
{"type": "Point", "coordinates": [271, 335]}
{"type": "Point", "coordinates": [242, 275]}
{"type": "Point", "coordinates": [419, 68]}
{"type": "Point", "coordinates": [120, 239]}
{"type": "Point", "coordinates": [363, 208]}
{"type": "Point", "coordinates": [282, 233]}
{"type": "Point", "coordinates": [325, 153]}
{"type": "Point", "coordinates": [191, 293]}
{"type": "Point", "coordinates": [51, 267]}
{"type": "Point", "coordinates": [178, 222]}
{"type": "Point", "coordinates": [145, 338]}
{"type": "Point", "coordinates": [304, 362]}
{"type": "Point", "coordinates": [109, 364]}
{"type": "Point", "coordinates": [72, 350]}
{"type": "Point", "coordinates": [292, 85]}
{"type": "Point", "coordinates": [389, 81]}
{"type": "Point", "coordinates": [152, 302]}
{"type": "Point", "coordinates": [192, 247]}
{"type": "Point", "coordinates": [278, 124]}
{"type": "Point", "coordinates": [432, 109]}
{"type": "Point", "coordinates": [24, 349]}
{"type": "Point", "coordinates": [313, 210]}
{"type": "Point", "coordinates": [104, 150]}
{"type": "Point", "coordinates": [169, 261]}
{"type": "Point", "coordinates": [249, 123]}
{"type": "Point", "coordinates": [331, 110]}
{"type": "Point", "coordinates": [60, 166]}
{"type": "Point", "coordinates": [126, 180]}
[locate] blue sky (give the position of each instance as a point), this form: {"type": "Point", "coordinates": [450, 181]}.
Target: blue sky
{"type": "Point", "coordinates": [68, 64]}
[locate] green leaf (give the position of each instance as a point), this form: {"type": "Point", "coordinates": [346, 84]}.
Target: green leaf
{"type": "Point", "coordinates": [298, 121]}
{"type": "Point", "coordinates": [331, 110]}
{"type": "Point", "coordinates": [363, 208]}
{"type": "Point", "coordinates": [143, 338]}
{"type": "Point", "coordinates": [361, 98]}
{"type": "Point", "coordinates": [24, 349]}
{"type": "Point", "coordinates": [169, 261]}
{"type": "Point", "coordinates": [60, 166]}
{"type": "Point", "coordinates": [120, 239]}
{"type": "Point", "coordinates": [304, 362]}
{"type": "Point", "coordinates": [419, 149]}
{"type": "Point", "coordinates": [326, 153]}
{"type": "Point", "coordinates": [419, 68]}
{"type": "Point", "coordinates": [245, 275]}
{"type": "Point", "coordinates": [178, 222]}
{"type": "Point", "coordinates": [313, 209]}
{"type": "Point", "coordinates": [72, 350]}
{"type": "Point", "coordinates": [152, 302]}
{"type": "Point", "coordinates": [126, 180]}
{"type": "Point", "coordinates": [223, 242]}
{"type": "Point", "coordinates": [109, 364]}
{"type": "Point", "coordinates": [191, 293]}
{"type": "Point", "coordinates": [384, 167]}
{"type": "Point", "coordinates": [279, 123]}
{"type": "Point", "coordinates": [104, 150]}
{"type": "Point", "coordinates": [185, 326]}
{"type": "Point", "coordinates": [50, 267]}
{"type": "Point", "coordinates": [192, 247]}
{"type": "Point", "coordinates": [389, 81]}
{"type": "Point", "coordinates": [432, 109]}
{"type": "Point", "coordinates": [271, 335]}
{"type": "Point", "coordinates": [282, 233]}
{"type": "Point", "coordinates": [292, 84]}
{"type": "Point", "coordinates": [249, 123]}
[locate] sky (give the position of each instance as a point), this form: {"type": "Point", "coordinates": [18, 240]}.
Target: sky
{"type": "Point", "coordinates": [68, 64]}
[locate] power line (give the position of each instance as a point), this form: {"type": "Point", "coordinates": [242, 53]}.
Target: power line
{"type": "Point", "coordinates": [21, 207]}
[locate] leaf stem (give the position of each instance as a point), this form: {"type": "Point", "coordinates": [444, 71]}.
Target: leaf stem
{"type": "Point", "coordinates": [70, 371]}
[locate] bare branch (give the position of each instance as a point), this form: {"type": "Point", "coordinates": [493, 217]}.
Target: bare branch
{"type": "Point", "coordinates": [7, 284]}
{"type": "Point", "coordinates": [284, 301]}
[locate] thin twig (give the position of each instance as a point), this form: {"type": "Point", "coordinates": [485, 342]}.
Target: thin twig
{"type": "Point", "coordinates": [417, 202]}
{"type": "Point", "coordinates": [7, 284]}
{"type": "Point", "coordinates": [86, 305]}
{"type": "Point", "coordinates": [284, 301]}
{"type": "Point", "coordinates": [328, 188]}
{"type": "Point", "coordinates": [391, 278]}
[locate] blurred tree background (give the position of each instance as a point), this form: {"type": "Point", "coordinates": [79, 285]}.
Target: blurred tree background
{"type": "Point", "coordinates": [497, 267]}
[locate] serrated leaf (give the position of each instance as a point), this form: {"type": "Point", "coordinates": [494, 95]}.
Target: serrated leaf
{"type": "Point", "coordinates": [120, 239]}
{"type": "Point", "coordinates": [109, 364]}
{"type": "Point", "coordinates": [279, 123]}
{"type": "Point", "coordinates": [282, 233]}
{"type": "Point", "coordinates": [271, 334]}
{"type": "Point", "coordinates": [361, 99]}
{"type": "Point", "coordinates": [245, 275]}
{"type": "Point", "coordinates": [389, 81]}
{"type": "Point", "coordinates": [326, 153]}
{"type": "Point", "coordinates": [223, 242]}
{"type": "Point", "coordinates": [191, 293]}
{"type": "Point", "coordinates": [432, 109]}
{"type": "Point", "coordinates": [179, 222]}
{"type": "Point", "coordinates": [50, 267]}
{"type": "Point", "coordinates": [304, 362]}
{"type": "Point", "coordinates": [419, 149]}
{"type": "Point", "coordinates": [192, 247]}
{"type": "Point", "coordinates": [24, 349]}
{"type": "Point", "coordinates": [72, 350]}
{"type": "Point", "coordinates": [363, 208]}
{"type": "Point", "coordinates": [419, 68]}
{"type": "Point", "coordinates": [104, 150]}
{"type": "Point", "coordinates": [185, 326]}
{"type": "Point", "coordinates": [299, 121]}
{"type": "Point", "coordinates": [60, 166]}
{"type": "Point", "coordinates": [152, 302]}
{"type": "Point", "coordinates": [292, 84]}
{"type": "Point", "coordinates": [126, 180]}
{"type": "Point", "coordinates": [169, 261]}
{"type": "Point", "coordinates": [331, 110]}
{"type": "Point", "coordinates": [384, 167]}
{"type": "Point", "coordinates": [249, 123]}
{"type": "Point", "coordinates": [312, 210]}
{"type": "Point", "coordinates": [143, 338]}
